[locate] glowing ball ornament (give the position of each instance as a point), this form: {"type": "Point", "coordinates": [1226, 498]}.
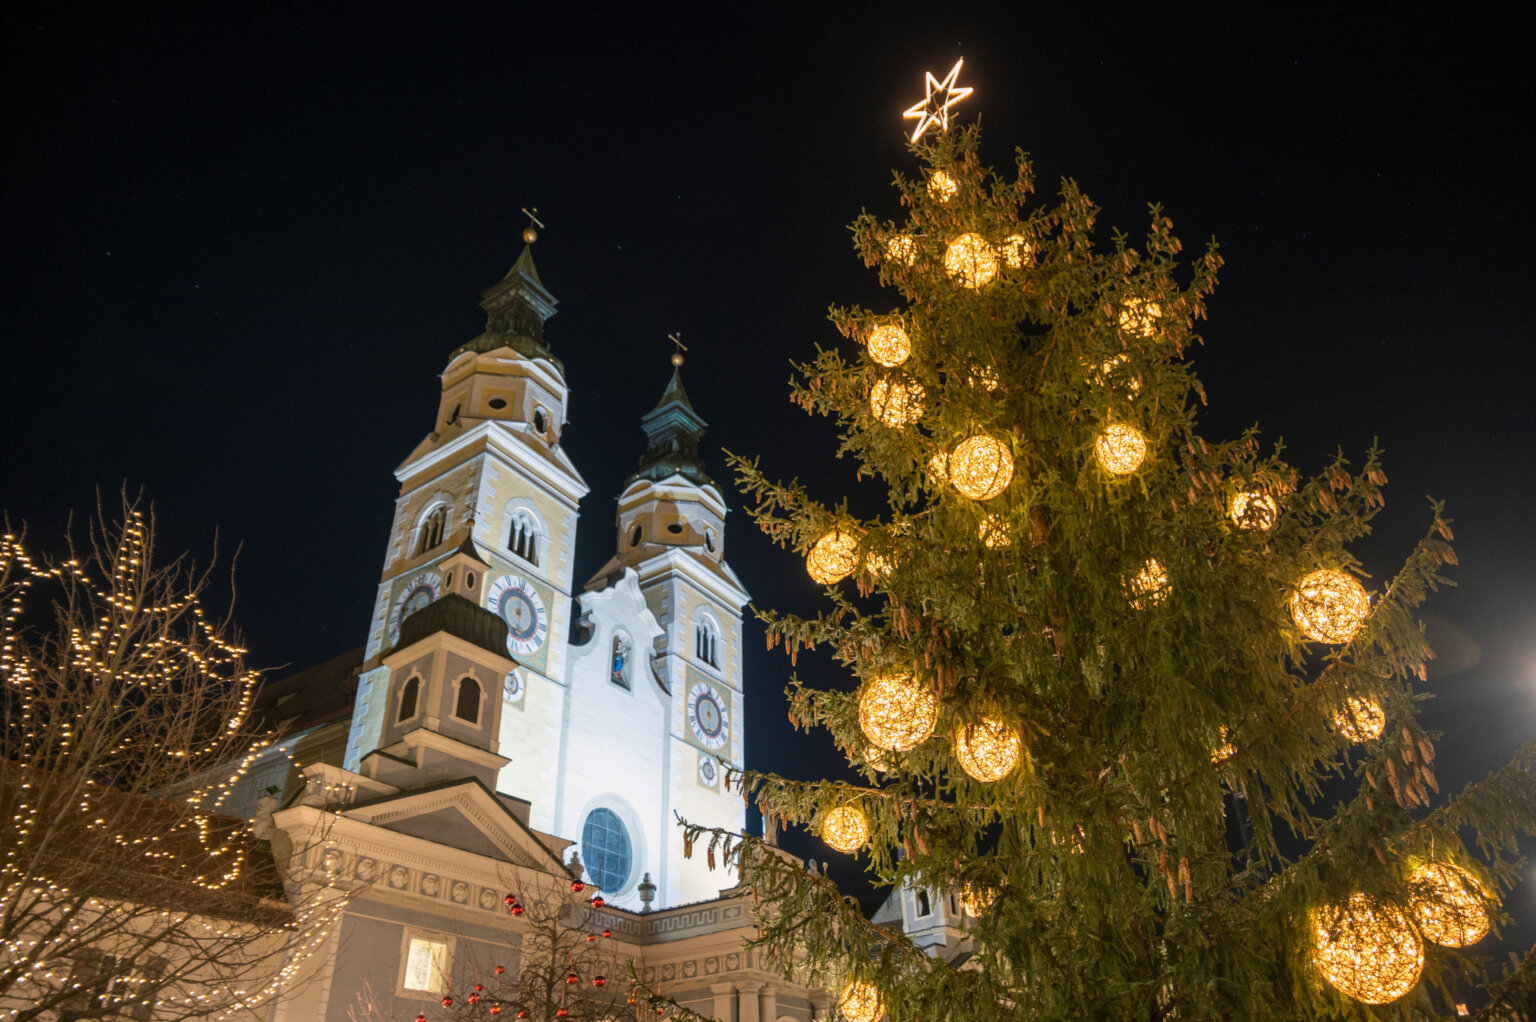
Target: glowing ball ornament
{"type": "Point", "coordinates": [993, 532]}
{"type": "Point", "coordinates": [1224, 748]}
{"type": "Point", "coordinates": [878, 565]}
{"type": "Point", "coordinates": [1016, 249]}
{"type": "Point", "coordinates": [896, 400]}
{"type": "Point", "coordinates": [860, 1002]}
{"type": "Point", "coordinates": [1448, 904]}
{"type": "Point", "coordinates": [984, 377]}
{"type": "Point", "coordinates": [896, 711]}
{"type": "Point", "coordinates": [1360, 720]}
{"type": "Point", "coordinates": [874, 756]}
{"type": "Point", "coordinates": [1113, 371]}
{"type": "Point", "coordinates": [901, 250]}
{"type": "Point", "coordinates": [938, 468]}
{"type": "Point", "coordinates": [942, 187]}
{"type": "Point", "coordinates": [1330, 606]}
{"type": "Point", "coordinates": [832, 558]}
{"type": "Point", "coordinates": [889, 345]}
{"type": "Point", "coordinates": [1367, 948]}
{"type": "Point", "coordinates": [1140, 317]}
{"type": "Point", "coordinates": [970, 261]}
{"type": "Point", "coordinates": [988, 750]}
{"type": "Point", "coordinates": [845, 829]}
{"type": "Point", "coordinates": [1120, 449]}
{"type": "Point", "coordinates": [980, 467]}
{"type": "Point", "coordinates": [1148, 586]}
{"type": "Point", "coordinates": [977, 899]}
{"type": "Point", "coordinates": [1254, 510]}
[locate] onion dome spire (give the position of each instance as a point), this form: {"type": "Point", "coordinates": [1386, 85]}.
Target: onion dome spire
{"type": "Point", "coordinates": [673, 430]}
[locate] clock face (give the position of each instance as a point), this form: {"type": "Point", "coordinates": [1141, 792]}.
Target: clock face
{"type": "Point", "coordinates": [518, 603]}
{"type": "Point", "coordinates": [706, 716]}
{"type": "Point", "coordinates": [419, 592]}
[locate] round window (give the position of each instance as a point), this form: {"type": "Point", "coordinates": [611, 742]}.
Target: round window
{"type": "Point", "coordinates": [605, 850]}
{"type": "Point", "coordinates": [497, 403]}
{"type": "Point", "coordinates": [675, 528]}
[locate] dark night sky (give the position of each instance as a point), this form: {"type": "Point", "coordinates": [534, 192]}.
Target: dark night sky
{"type": "Point", "coordinates": [240, 241]}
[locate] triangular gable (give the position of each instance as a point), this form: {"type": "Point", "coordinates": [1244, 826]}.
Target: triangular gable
{"type": "Point", "coordinates": [460, 814]}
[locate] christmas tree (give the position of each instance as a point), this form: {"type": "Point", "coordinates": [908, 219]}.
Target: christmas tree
{"type": "Point", "coordinates": [1121, 687]}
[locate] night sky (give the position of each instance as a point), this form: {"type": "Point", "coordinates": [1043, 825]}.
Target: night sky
{"type": "Point", "coordinates": [239, 242]}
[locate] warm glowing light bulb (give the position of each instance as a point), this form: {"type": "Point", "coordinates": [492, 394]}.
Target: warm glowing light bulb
{"type": "Point", "coordinates": [980, 467]}
{"type": "Point", "coordinates": [896, 711]}
{"type": "Point", "coordinates": [845, 829]}
{"type": "Point", "coordinates": [988, 750]}
{"type": "Point", "coordinates": [896, 399]}
{"type": "Point", "coordinates": [889, 344]}
{"type": "Point", "coordinates": [1360, 720]}
{"type": "Point", "coordinates": [970, 261]}
{"type": "Point", "coordinates": [1368, 948]}
{"type": "Point", "coordinates": [942, 187]}
{"type": "Point", "coordinates": [1016, 249]}
{"type": "Point", "coordinates": [1330, 606]}
{"type": "Point", "coordinates": [1254, 510]}
{"type": "Point", "coordinates": [1139, 317]}
{"type": "Point", "coordinates": [1120, 449]}
{"type": "Point", "coordinates": [1449, 904]}
{"type": "Point", "coordinates": [977, 899]}
{"type": "Point", "coordinates": [832, 558]}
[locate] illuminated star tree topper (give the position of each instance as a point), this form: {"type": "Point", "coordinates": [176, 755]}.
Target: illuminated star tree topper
{"type": "Point", "coordinates": [934, 109]}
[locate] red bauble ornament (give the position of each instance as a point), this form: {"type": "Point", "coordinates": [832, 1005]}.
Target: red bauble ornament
{"type": "Point", "coordinates": [421, 1018]}
{"type": "Point", "coordinates": [523, 1013]}
{"type": "Point", "coordinates": [510, 899]}
{"type": "Point", "coordinates": [495, 1009]}
{"type": "Point", "coordinates": [591, 937]}
{"type": "Point", "coordinates": [561, 1013]}
{"type": "Point", "coordinates": [577, 886]}
{"type": "Point", "coordinates": [597, 901]}
{"type": "Point", "coordinates": [599, 981]}
{"type": "Point", "coordinates": [474, 998]}
{"type": "Point", "coordinates": [447, 1002]}
{"type": "Point", "coordinates": [517, 910]}
{"type": "Point", "coordinates": [607, 933]}
{"type": "Point", "coordinates": [500, 969]}
{"type": "Point", "coordinates": [572, 978]}
{"type": "Point", "coordinates": [478, 988]}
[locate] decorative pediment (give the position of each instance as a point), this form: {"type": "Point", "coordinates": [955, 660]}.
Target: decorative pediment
{"type": "Point", "coordinates": [462, 815]}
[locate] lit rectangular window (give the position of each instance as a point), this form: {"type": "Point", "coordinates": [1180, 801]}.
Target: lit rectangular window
{"type": "Point", "coordinates": [425, 964]}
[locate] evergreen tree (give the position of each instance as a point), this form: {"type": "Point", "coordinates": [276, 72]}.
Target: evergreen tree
{"type": "Point", "coordinates": [1121, 685]}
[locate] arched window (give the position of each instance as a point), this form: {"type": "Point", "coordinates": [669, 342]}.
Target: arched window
{"type": "Point", "coordinates": [408, 694]}
{"type": "Point", "coordinates": [923, 907]}
{"type": "Point", "coordinates": [635, 534]}
{"type": "Point", "coordinates": [431, 532]}
{"type": "Point", "coordinates": [622, 653]}
{"type": "Point", "coordinates": [706, 640]}
{"type": "Point", "coordinates": [523, 536]}
{"type": "Point", "coordinates": [466, 706]}
{"type": "Point", "coordinates": [606, 850]}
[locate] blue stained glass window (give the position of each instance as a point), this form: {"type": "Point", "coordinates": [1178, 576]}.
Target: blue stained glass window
{"type": "Point", "coordinates": [605, 850]}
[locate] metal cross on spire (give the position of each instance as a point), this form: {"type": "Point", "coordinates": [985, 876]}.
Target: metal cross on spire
{"type": "Point", "coordinates": [677, 354]}
{"type": "Point", "coordinates": [934, 109]}
{"type": "Point", "coordinates": [529, 234]}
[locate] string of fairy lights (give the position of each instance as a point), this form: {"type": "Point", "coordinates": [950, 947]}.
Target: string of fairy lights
{"type": "Point", "coordinates": [1369, 948]}
{"type": "Point", "coordinates": [132, 722]}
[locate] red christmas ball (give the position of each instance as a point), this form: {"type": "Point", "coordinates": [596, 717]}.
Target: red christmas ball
{"type": "Point", "coordinates": [572, 978]}
{"type": "Point", "coordinates": [478, 988]}
{"type": "Point", "coordinates": [500, 969]}
{"type": "Point", "coordinates": [597, 901]}
{"type": "Point", "coordinates": [591, 937]}
{"type": "Point", "coordinates": [561, 1013]}
{"type": "Point", "coordinates": [517, 910]}
{"type": "Point", "coordinates": [523, 1013]}
{"type": "Point", "coordinates": [510, 899]}
{"type": "Point", "coordinates": [495, 1009]}
{"type": "Point", "coordinates": [607, 933]}
{"type": "Point", "coordinates": [577, 886]}
{"type": "Point", "coordinates": [447, 1002]}
{"type": "Point", "coordinates": [421, 1018]}
{"type": "Point", "coordinates": [474, 998]}
{"type": "Point", "coordinates": [599, 981]}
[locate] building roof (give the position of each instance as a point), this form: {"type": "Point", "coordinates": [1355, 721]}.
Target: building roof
{"type": "Point", "coordinates": [672, 430]}
{"type": "Point", "coordinates": [459, 617]}
{"type": "Point", "coordinates": [322, 694]}
{"type": "Point", "coordinates": [515, 311]}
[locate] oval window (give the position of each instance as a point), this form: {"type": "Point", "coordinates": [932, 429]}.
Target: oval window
{"type": "Point", "coordinates": [634, 536]}
{"type": "Point", "coordinates": [540, 423]}
{"type": "Point", "coordinates": [497, 403]}
{"type": "Point", "coordinates": [675, 528]}
{"type": "Point", "coordinates": [709, 540]}
{"type": "Point", "coordinates": [469, 580]}
{"type": "Point", "coordinates": [448, 581]}
{"type": "Point", "coordinates": [605, 850]}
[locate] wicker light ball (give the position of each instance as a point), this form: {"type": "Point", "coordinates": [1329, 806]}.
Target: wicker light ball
{"type": "Point", "coordinates": [1449, 904]}
{"type": "Point", "coordinates": [832, 558]}
{"type": "Point", "coordinates": [901, 250]}
{"type": "Point", "coordinates": [889, 344]}
{"type": "Point", "coordinates": [896, 711]}
{"type": "Point", "coordinates": [970, 261]}
{"type": "Point", "coordinates": [1224, 748]}
{"type": "Point", "coordinates": [1254, 510]}
{"type": "Point", "coordinates": [875, 757]}
{"type": "Point", "coordinates": [938, 468]}
{"type": "Point", "coordinates": [860, 1002]}
{"type": "Point", "coordinates": [988, 750]}
{"type": "Point", "coordinates": [1113, 371]}
{"type": "Point", "coordinates": [1140, 317]}
{"type": "Point", "coordinates": [1330, 606]}
{"type": "Point", "coordinates": [942, 187]}
{"type": "Point", "coordinates": [1120, 449]}
{"type": "Point", "coordinates": [878, 565]}
{"type": "Point", "coordinates": [993, 532]}
{"type": "Point", "coordinates": [1148, 586]}
{"type": "Point", "coordinates": [984, 377]}
{"type": "Point", "coordinates": [1016, 249]}
{"type": "Point", "coordinates": [896, 400]}
{"type": "Point", "coordinates": [845, 829]}
{"type": "Point", "coordinates": [977, 899]}
{"type": "Point", "coordinates": [1360, 720]}
{"type": "Point", "coordinates": [980, 467]}
{"type": "Point", "coordinates": [1367, 948]}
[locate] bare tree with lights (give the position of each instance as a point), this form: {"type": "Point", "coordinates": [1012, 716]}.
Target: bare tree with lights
{"type": "Point", "coordinates": [127, 717]}
{"type": "Point", "coordinates": [1083, 641]}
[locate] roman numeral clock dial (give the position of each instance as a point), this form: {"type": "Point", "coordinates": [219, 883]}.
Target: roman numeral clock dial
{"type": "Point", "coordinates": [517, 602]}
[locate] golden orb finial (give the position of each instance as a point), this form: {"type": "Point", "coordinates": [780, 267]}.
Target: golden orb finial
{"type": "Point", "coordinates": [529, 234]}
{"type": "Point", "coordinates": [678, 349]}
